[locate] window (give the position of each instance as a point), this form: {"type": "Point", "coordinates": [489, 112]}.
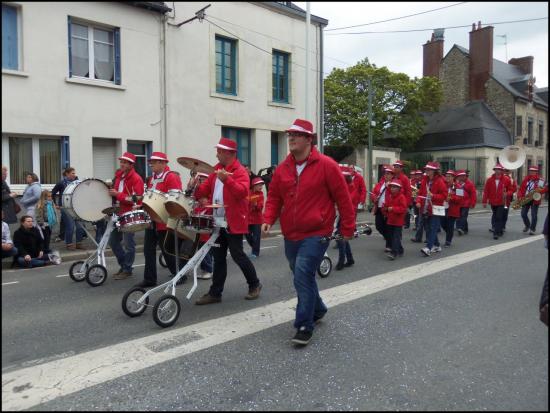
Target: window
{"type": "Point", "coordinates": [530, 131]}
{"type": "Point", "coordinates": [242, 137]}
{"type": "Point", "coordinates": [519, 125]}
{"type": "Point", "coordinates": [274, 148]}
{"type": "Point", "coordinates": [226, 65]}
{"type": "Point", "coordinates": [42, 156]}
{"type": "Point", "coordinates": [94, 52]}
{"type": "Point", "coordinates": [541, 133]}
{"type": "Point", "coordinates": [142, 151]}
{"type": "Point", "coordinates": [280, 76]}
{"type": "Point", "coordinates": [10, 43]}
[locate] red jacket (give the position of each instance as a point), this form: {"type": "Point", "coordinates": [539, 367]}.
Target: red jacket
{"type": "Point", "coordinates": [376, 194]}
{"type": "Point", "coordinates": [398, 202]}
{"type": "Point", "coordinates": [405, 187]}
{"type": "Point", "coordinates": [454, 201]}
{"type": "Point", "coordinates": [256, 206]}
{"type": "Point", "coordinates": [133, 185]}
{"type": "Point", "coordinates": [361, 188]}
{"type": "Point", "coordinates": [235, 196]}
{"type": "Point", "coordinates": [495, 195]}
{"type": "Point", "coordinates": [305, 203]}
{"type": "Point", "coordinates": [523, 187]}
{"type": "Point", "coordinates": [470, 194]}
{"type": "Point", "coordinates": [438, 190]}
{"type": "Point", "coordinates": [167, 180]}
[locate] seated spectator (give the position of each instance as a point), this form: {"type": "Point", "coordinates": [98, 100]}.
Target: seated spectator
{"type": "Point", "coordinates": [8, 250]}
{"type": "Point", "coordinates": [29, 244]}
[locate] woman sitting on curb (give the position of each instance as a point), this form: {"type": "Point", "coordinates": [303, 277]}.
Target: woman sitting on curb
{"type": "Point", "coordinates": [29, 244]}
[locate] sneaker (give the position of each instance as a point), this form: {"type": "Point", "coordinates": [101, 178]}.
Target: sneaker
{"type": "Point", "coordinates": [491, 230]}
{"type": "Point", "coordinates": [436, 248]}
{"type": "Point", "coordinates": [208, 299]}
{"type": "Point", "coordinates": [317, 319]}
{"type": "Point", "coordinates": [525, 229]}
{"type": "Point", "coordinates": [426, 251]}
{"type": "Point", "coordinates": [203, 275]}
{"type": "Point", "coordinates": [532, 232]}
{"type": "Point", "coordinates": [460, 232]}
{"type": "Point", "coordinates": [57, 239]}
{"type": "Point", "coordinates": [349, 263]}
{"type": "Point", "coordinates": [339, 266]}
{"type": "Point", "coordinates": [390, 256]}
{"type": "Point", "coordinates": [495, 236]}
{"type": "Point", "coordinates": [302, 337]}
{"type": "Point", "coordinates": [253, 293]}
{"type": "Point", "coordinates": [145, 284]}
{"type": "Point", "coordinates": [252, 256]}
{"type": "Point", "coordinates": [123, 275]}
{"type": "Point", "coordinates": [387, 249]}
{"type": "Point", "coordinates": [447, 245]}
{"type": "Point", "coordinates": [414, 228]}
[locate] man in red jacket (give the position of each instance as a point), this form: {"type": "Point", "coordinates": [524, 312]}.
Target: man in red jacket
{"type": "Point", "coordinates": [431, 196]}
{"type": "Point", "coordinates": [229, 186]}
{"type": "Point", "coordinates": [452, 206]}
{"type": "Point", "coordinates": [163, 179]}
{"type": "Point", "coordinates": [395, 208]}
{"type": "Point", "coordinates": [378, 196]}
{"type": "Point", "coordinates": [469, 200]}
{"type": "Point", "coordinates": [255, 217]}
{"type": "Point", "coordinates": [345, 257]}
{"type": "Point", "coordinates": [496, 187]}
{"type": "Point", "coordinates": [405, 187]}
{"type": "Point", "coordinates": [303, 191]}
{"type": "Point", "coordinates": [127, 187]}
{"type": "Point", "coordinates": [509, 196]}
{"type": "Point", "coordinates": [361, 187]}
{"type": "Point", "coordinates": [532, 182]}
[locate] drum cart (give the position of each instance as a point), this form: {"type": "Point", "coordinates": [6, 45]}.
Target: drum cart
{"type": "Point", "coordinates": [167, 308]}
{"type": "Point", "coordinates": [94, 274]}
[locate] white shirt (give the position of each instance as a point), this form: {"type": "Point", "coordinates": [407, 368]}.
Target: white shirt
{"type": "Point", "coordinates": [300, 168]}
{"type": "Point", "coordinates": [218, 198]}
{"type": "Point", "coordinates": [121, 185]}
{"type": "Point", "coordinates": [382, 195]}
{"type": "Point", "coordinates": [497, 181]}
{"type": "Point", "coordinates": [6, 236]}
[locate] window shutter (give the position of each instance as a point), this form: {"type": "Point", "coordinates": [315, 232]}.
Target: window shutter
{"type": "Point", "coordinates": [117, 56]}
{"type": "Point", "coordinates": [65, 153]}
{"type": "Point", "coordinates": [9, 38]}
{"type": "Point", "coordinates": [69, 45]}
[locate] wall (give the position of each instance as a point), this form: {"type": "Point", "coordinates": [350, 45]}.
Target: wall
{"type": "Point", "coordinates": [454, 79]}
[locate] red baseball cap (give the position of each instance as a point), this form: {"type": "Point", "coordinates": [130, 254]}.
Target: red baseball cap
{"type": "Point", "coordinates": [227, 144]}
{"type": "Point", "coordinates": [127, 156]}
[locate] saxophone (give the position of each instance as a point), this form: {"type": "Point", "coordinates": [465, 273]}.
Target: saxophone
{"type": "Point", "coordinates": [520, 202]}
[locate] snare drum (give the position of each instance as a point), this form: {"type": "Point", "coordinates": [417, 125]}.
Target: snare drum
{"type": "Point", "coordinates": [153, 204]}
{"type": "Point", "coordinates": [133, 221]}
{"type": "Point", "coordinates": [203, 224]}
{"type": "Point", "coordinates": [177, 204]}
{"type": "Point", "coordinates": [182, 229]}
{"type": "Point", "coordinates": [84, 200]}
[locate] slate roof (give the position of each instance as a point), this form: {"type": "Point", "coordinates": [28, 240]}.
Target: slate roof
{"type": "Point", "coordinates": [158, 6]}
{"type": "Point", "coordinates": [472, 125]}
{"type": "Point", "coordinates": [512, 79]}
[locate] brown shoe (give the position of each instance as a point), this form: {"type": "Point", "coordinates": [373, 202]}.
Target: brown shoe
{"type": "Point", "coordinates": [79, 246]}
{"type": "Point", "coordinates": [253, 293]}
{"type": "Point", "coordinates": [123, 275]}
{"type": "Point", "coordinates": [118, 272]}
{"type": "Point", "coordinates": [71, 247]}
{"type": "Point", "coordinates": [208, 299]}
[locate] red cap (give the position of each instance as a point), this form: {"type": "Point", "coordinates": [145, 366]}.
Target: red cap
{"type": "Point", "coordinates": [460, 172]}
{"type": "Point", "coordinates": [450, 172]}
{"type": "Point", "coordinates": [432, 165]}
{"type": "Point", "coordinates": [159, 156]}
{"type": "Point", "coordinates": [204, 174]}
{"type": "Point", "coordinates": [301, 126]}
{"type": "Point", "coordinates": [346, 170]}
{"type": "Point", "coordinates": [257, 181]}
{"type": "Point", "coordinates": [498, 166]}
{"type": "Point", "coordinates": [388, 168]}
{"type": "Point", "coordinates": [534, 168]}
{"type": "Point", "coordinates": [395, 182]}
{"type": "Point", "coordinates": [127, 156]}
{"type": "Point", "coordinates": [227, 144]}
{"type": "Point", "coordinates": [399, 163]}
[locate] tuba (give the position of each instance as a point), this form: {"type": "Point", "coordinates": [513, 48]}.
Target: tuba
{"type": "Point", "coordinates": [512, 157]}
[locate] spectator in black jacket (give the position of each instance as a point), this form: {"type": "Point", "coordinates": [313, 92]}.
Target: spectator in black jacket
{"type": "Point", "coordinates": [8, 200]}
{"type": "Point", "coordinates": [543, 303]}
{"type": "Point", "coordinates": [29, 244]}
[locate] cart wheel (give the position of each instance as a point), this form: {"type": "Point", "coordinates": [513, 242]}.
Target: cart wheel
{"type": "Point", "coordinates": [96, 275]}
{"type": "Point", "coordinates": [162, 262]}
{"type": "Point", "coordinates": [166, 311]}
{"type": "Point", "coordinates": [325, 267]}
{"type": "Point", "coordinates": [129, 302]}
{"type": "Point", "coordinates": [75, 273]}
{"type": "Point", "coordinates": [368, 231]}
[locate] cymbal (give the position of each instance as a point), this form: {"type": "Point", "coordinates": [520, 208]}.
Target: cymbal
{"type": "Point", "coordinates": [195, 164]}
{"type": "Point", "coordinates": [110, 210]}
{"type": "Point", "coordinates": [215, 206]}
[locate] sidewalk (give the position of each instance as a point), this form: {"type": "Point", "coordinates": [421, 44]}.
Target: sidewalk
{"type": "Point", "coordinates": [363, 217]}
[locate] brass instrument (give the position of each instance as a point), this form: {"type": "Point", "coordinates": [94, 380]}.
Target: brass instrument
{"type": "Point", "coordinates": [533, 195]}
{"type": "Point", "coordinates": [414, 191]}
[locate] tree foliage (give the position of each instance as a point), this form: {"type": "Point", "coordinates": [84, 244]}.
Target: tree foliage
{"type": "Point", "coordinates": [396, 105]}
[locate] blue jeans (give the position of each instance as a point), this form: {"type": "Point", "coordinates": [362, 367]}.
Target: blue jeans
{"type": "Point", "coordinates": [534, 212]}
{"type": "Point", "coordinates": [254, 238]}
{"type": "Point", "coordinates": [344, 251]}
{"type": "Point", "coordinates": [207, 263]}
{"type": "Point", "coordinates": [421, 227]}
{"type": "Point", "coordinates": [100, 226]}
{"type": "Point", "coordinates": [34, 262]}
{"type": "Point", "coordinates": [448, 224]}
{"type": "Point", "coordinates": [462, 222]}
{"type": "Point", "coordinates": [10, 253]}
{"type": "Point", "coordinates": [304, 257]}
{"type": "Point", "coordinates": [124, 256]}
{"type": "Point", "coordinates": [70, 225]}
{"type": "Point", "coordinates": [433, 223]}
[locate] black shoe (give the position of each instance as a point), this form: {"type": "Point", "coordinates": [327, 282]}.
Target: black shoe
{"type": "Point", "coordinates": [339, 266]}
{"type": "Point", "coordinates": [145, 284]}
{"type": "Point", "coordinates": [491, 230]}
{"type": "Point", "coordinates": [495, 236]}
{"type": "Point", "coordinates": [416, 240]}
{"type": "Point", "coordinates": [390, 256]}
{"type": "Point", "coordinates": [317, 319]}
{"type": "Point", "coordinates": [302, 337]}
{"type": "Point", "coordinates": [349, 263]}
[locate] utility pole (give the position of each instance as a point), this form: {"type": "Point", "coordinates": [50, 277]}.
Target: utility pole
{"type": "Point", "coordinates": [369, 157]}
{"type": "Point", "coordinates": [308, 23]}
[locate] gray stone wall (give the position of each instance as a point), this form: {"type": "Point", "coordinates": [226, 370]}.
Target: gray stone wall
{"type": "Point", "coordinates": [501, 103]}
{"type": "Point", "coordinates": [454, 79]}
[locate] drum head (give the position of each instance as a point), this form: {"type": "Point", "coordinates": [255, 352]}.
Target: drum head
{"type": "Point", "coordinates": [537, 196]}
{"type": "Point", "coordinates": [89, 198]}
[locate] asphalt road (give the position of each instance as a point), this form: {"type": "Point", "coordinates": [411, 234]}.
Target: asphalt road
{"type": "Point", "coordinates": [465, 338]}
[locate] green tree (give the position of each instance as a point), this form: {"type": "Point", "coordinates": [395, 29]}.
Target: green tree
{"type": "Point", "coordinates": [396, 105]}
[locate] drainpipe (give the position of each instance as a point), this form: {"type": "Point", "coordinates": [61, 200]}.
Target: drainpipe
{"type": "Point", "coordinates": [321, 93]}
{"type": "Point", "coordinates": [308, 23]}
{"type": "Point", "coordinates": [163, 129]}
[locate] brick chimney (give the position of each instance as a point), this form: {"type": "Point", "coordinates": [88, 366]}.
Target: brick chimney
{"type": "Point", "coordinates": [433, 54]}
{"type": "Point", "coordinates": [481, 60]}
{"type": "Point", "coordinates": [524, 63]}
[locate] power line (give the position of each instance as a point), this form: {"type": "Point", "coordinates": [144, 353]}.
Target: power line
{"type": "Point", "coordinates": [397, 18]}
{"type": "Point", "coordinates": [446, 28]}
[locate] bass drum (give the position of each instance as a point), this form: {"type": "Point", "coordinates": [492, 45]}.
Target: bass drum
{"type": "Point", "coordinates": [84, 200]}
{"type": "Point", "coordinates": [153, 204]}
{"type": "Point", "coordinates": [182, 228]}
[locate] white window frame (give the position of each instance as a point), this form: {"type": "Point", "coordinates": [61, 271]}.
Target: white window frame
{"type": "Point", "coordinates": [91, 51]}
{"type": "Point", "coordinates": [19, 19]}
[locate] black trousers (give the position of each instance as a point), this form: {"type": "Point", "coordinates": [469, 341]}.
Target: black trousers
{"type": "Point", "coordinates": [395, 234]}
{"type": "Point", "coordinates": [233, 242]}
{"type": "Point", "coordinates": [152, 238]}
{"type": "Point", "coordinates": [381, 226]}
{"type": "Point", "coordinates": [497, 219]}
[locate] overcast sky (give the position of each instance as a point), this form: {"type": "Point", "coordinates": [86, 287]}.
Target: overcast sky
{"type": "Point", "coordinates": [402, 52]}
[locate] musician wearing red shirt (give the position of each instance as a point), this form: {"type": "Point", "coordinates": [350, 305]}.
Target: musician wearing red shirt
{"type": "Point", "coordinates": [532, 182]}
{"type": "Point", "coordinates": [255, 216]}
{"type": "Point", "coordinates": [229, 186]}
{"type": "Point", "coordinates": [128, 186]}
{"type": "Point", "coordinates": [405, 188]}
{"type": "Point", "coordinates": [469, 201]}
{"type": "Point", "coordinates": [303, 191]}
{"type": "Point", "coordinates": [432, 193]}
{"type": "Point", "coordinates": [163, 179]}
{"type": "Point", "coordinates": [378, 197]}
{"type": "Point", "coordinates": [509, 196]}
{"type": "Point", "coordinates": [419, 226]}
{"type": "Point", "coordinates": [345, 257]}
{"type": "Point", "coordinates": [395, 208]}
{"type": "Point", "coordinates": [455, 193]}
{"type": "Point", "coordinates": [494, 192]}
{"type": "Point", "coordinates": [361, 188]}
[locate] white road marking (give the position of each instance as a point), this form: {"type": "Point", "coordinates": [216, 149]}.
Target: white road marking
{"type": "Point", "coordinates": [13, 282]}
{"type": "Point", "coordinates": [273, 246]}
{"type": "Point", "coordinates": [30, 386]}
{"type": "Point", "coordinates": [62, 275]}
